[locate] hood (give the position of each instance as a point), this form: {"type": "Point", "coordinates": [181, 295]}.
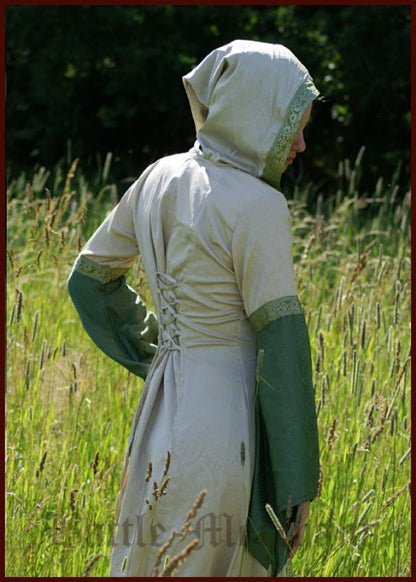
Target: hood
{"type": "Point", "coordinates": [247, 99]}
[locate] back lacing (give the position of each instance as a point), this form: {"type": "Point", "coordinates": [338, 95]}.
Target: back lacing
{"type": "Point", "coordinates": [168, 326]}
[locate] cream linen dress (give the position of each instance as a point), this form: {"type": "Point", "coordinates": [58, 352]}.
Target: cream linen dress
{"type": "Point", "coordinates": [213, 233]}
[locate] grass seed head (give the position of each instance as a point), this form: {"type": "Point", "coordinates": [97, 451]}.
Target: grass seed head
{"type": "Point", "coordinates": [35, 326]}
{"type": "Point", "coordinates": [95, 462]}
{"type": "Point", "coordinates": [320, 482]}
{"type": "Point", "coordinates": [91, 563]}
{"type": "Point", "coordinates": [72, 499]}
{"type": "Point", "coordinates": [197, 504]}
{"type": "Point", "coordinates": [164, 486]}
{"type": "Point", "coordinates": [148, 503]}
{"type": "Point", "coordinates": [331, 434]}
{"type": "Point", "coordinates": [41, 464]}
{"type": "Point", "coordinates": [176, 561]}
{"type": "Point", "coordinates": [276, 521]}
{"type": "Point", "coordinates": [162, 551]}
{"type": "Point", "coordinates": [167, 464]}
{"type": "Point", "coordinates": [149, 472]}
{"type": "Point", "coordinates": [19, 305]}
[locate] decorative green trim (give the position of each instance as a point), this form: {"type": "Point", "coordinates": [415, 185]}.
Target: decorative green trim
{"type": "Point", "coordinates": [95, 271]}
{"type": "Point", "coordinates": [273, 310]}
{"type": "Point", "coordinates": [276, 158]}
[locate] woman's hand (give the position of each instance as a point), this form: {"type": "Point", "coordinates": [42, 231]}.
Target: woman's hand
{"type": "Point", "coordinates": [299, 527]}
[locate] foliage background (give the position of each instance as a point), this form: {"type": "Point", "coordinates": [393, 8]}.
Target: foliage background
{"type": "Point", "coordinates": [86, 80]}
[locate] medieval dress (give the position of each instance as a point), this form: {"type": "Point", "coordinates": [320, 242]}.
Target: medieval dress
{"type": "Point", "coordinates": [228, 395]}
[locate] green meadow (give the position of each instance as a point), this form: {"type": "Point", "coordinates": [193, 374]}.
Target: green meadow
{"type": "Point", "coordinates": [69, 407]}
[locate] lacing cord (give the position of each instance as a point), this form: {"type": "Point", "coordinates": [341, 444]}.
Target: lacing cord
{"type": "Point", "coordinates": [168, 314]}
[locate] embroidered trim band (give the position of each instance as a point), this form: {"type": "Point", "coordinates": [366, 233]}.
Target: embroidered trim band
{"type": "Point", "coordinates": [274, 309]}
{"type": "Point", "coordinates": [277, 156]}
{"type": "Point", "coordinates": [95, 271]}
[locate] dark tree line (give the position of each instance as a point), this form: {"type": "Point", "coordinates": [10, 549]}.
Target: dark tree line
{"type": "Point", "coordinates": [86, 80]}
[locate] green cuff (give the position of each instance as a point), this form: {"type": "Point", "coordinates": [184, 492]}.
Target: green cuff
{"type": "Point", "coordinates": [113, 315]}
{"type": "Point", "coordinates": [286, 469]}
{"type": "Point", "coordinates": [275, 309]}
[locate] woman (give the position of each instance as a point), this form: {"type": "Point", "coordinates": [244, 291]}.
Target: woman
{"type": "Point", "coordinates": [228, 388]}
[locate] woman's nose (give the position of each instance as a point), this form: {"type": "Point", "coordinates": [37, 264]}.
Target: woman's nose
{"type": "Point", "coordinates": [299, 143]}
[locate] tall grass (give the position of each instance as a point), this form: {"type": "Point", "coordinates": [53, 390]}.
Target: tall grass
{"type": "Point", "coordinates": [69, 407]}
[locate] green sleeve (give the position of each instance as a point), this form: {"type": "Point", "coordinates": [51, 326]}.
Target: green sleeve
{"type": "Point", "coordinates": [286, 469]}
{"type": "Point", "coordinates": [113, 315]}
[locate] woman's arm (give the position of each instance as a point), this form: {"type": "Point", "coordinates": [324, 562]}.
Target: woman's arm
{"type": "Point", "coordinates": [113, 315]}
{"type": "Point", "coordinates": [111, 312]}
{"type": "Point", "coordinates": [286, 468]}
